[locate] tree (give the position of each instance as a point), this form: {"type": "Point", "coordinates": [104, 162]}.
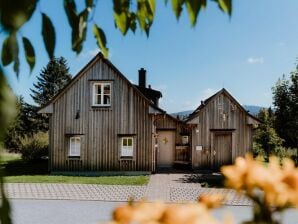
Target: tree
{"type": "Point", "coordinates": [266, 140]}
{"type": "Point", "coordinates": [285, 100]}
{"type": "Point", "coordinates": [26, 123]}
{"type": "Point", "coordinates": [15, 131]}
{"type": "Point", "coordinates": [51, 80]}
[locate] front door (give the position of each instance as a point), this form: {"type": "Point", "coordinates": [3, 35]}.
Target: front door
{"type": "Point", "coordinates": [165, 151]}
{"type": "Point", "coordinates": [222, 149]}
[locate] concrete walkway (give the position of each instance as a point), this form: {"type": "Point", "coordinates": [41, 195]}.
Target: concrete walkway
{"type": "Point", "coordinates": [165, 187]}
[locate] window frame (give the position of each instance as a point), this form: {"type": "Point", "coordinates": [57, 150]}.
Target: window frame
{"type": "Point", "coordinates": [70, 150]}
{"type": "Point", "coordinates": [102, 94]}
{"type": "Point", "coordinates": [132, 147]}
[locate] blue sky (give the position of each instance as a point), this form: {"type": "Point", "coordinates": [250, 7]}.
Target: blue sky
{"type": "Point", "coordinates": [246, 53]}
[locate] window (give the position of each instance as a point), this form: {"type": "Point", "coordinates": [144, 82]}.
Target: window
{"type": "Point", "coordinates": [101, 94]}
{"type": "Point", "coordinates": [75, 146]}
{"type": "Point", "coordinates": [126, 147]}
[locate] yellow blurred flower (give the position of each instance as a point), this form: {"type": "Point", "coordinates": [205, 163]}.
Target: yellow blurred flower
{"type": "Point", "coordinates": [211, 200]}
{"type": "Point", "coordinates": [157, 212]}
{"type": "Point", "coordinates": [278, 183]}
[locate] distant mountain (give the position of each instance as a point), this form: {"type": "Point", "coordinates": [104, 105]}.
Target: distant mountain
{"type": "Point", "coordinates": [182, 113]}
{"type": "Point", "coordinates": [252, 109]}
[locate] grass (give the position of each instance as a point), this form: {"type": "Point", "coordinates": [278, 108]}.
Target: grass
{"type": "Point", "coordinates": [105, 180]}
{"type": "Point", "coordinates": [18, 171]}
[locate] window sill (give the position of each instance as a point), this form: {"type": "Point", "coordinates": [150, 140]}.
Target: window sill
{"type": "Point", "coordinates": [126, 158]}
{"type": "Point", "coordinates": [74, 157]}
{"type": "Point", "coordinates": [101, 107]}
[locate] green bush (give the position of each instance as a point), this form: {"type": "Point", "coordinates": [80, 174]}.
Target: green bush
{"type": "Point", "coordinates": [36, 147]}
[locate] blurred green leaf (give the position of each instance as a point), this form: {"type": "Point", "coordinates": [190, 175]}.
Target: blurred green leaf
{"type": "Point", "coordinates": [193, 7]}
{"type": "Point", "coordinates": [122, 15]}
{"type": "Point", "coordinates": [48, 34]}
{"type": "Point", "coordinates": [152, 6]}
{"type": "Point", "coordinates": [177, 6]}
{"type": "Point", "coordinates": [7, 112]}
{"type": "Point", "coordinates": [226, 6]}
{"type": "Point", "coordinates": [10, 52]}
{"type": "Point", "coordinates": [89, 3]}
{"type": "Point", "coordinates": [15, 13]}
{"type": "Point", "coordinates": [79, 32]}
{"type": "Point", "coordinates": [70, 10]}
{"type": "Point", "coordinates": [29, 53]}
{"type": "Point", "coordinates": [6, 54]}
{"type": "Point", "coordinates": [101, 39]}
{"type": "Point", "coordinates": [145, 15]}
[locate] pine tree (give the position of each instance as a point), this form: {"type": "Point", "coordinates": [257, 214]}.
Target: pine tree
{"type": "Point", "coordinates": [282, 109]}
{"type": "Point", "coordinates": [51, 80]}
{"type": "Point", "coordinates": [266, 140]}
{"type": "Point", "coordinates": [285, 100]}
{"type": "Point", "coordinates": [293, 92]}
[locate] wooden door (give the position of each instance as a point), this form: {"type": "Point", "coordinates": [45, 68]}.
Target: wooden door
{"type": "Point", "coordinates": [222, 149]}
{"type": "Point", "coordinates": [165, 151]}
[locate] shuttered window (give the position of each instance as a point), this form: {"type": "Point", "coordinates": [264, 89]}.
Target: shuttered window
{"type": "Point", "coordinates": [75, 146]}
{"type": "Point", "coordinates": [126, 147]}
{"type": "Point", "coordinates": [101, 94]}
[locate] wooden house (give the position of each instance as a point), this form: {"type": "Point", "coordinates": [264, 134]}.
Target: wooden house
{"type": "Point", "coordinates": [221, 130]}
{"type": "Point", "coordinates": [102, 122]}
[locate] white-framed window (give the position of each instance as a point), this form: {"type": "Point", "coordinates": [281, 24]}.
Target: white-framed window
{"type": "Point", "coordinates": [101, 94]}
{"type": "Point", "coordinates": [126, 147]}
{"type": "Point", "coordinates": [75, 146]}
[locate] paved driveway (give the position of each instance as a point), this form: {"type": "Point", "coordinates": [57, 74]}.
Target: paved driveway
{"type": "Point", "coordinates": [92, 212]}
{"type": "Point", "coordinates": [166, 187]}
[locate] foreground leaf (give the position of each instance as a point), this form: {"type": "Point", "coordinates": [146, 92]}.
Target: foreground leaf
{"type": "Point", "coordinates": [121, 15]}
{"type": "Point", "coordinates": [7, 112]}
{"type": "Point", "coordinates": [48, 34]}
{"type": "Point", "coordinates": [177, 6]}
{"type": "Point", "coordinates": [70, 10]}
{"type": "Point", "coordinates": [6, 54]}
{"type": "Point", "coordinates": [10, 52]}
{"type": "Point", "coordinates": [193, 7]}
{"type": "Point", "coordinates": [29, 52]}
{"type": "Point", "coordinates": [101, 39]}
{"type": "Point", "coordinates": [226, 6]}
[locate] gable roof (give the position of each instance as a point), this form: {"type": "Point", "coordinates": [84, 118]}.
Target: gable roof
{"type": "Point", "coordinates": [206, 101]}
{"type": "Point", "coordinates": [96, 58]}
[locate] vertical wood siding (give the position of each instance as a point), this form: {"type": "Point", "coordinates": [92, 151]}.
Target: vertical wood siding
{"type": "Point", "coordinates": [99, 128]}
{"type": "Point", "coordinates": [211, 118]}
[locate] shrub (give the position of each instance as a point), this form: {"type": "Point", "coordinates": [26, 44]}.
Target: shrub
{"type": "Point", "coordinates": [36, 147]}
{"type": "Point", "coordinates": [282, 152]}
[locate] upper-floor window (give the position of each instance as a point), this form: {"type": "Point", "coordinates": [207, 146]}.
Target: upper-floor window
{"type": "Point", "coordinates": [101, 94]}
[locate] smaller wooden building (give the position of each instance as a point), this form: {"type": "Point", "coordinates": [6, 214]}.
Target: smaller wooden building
{"type": "Point", "coordinates": [221, 130]}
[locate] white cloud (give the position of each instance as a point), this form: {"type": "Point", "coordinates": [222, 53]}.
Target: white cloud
{"type": "Point", "coordinates": [207, 93]}
{"type": "Point", "coordinates": [255, 60]}
{"type": "Point", "coordinates": [93, 52]}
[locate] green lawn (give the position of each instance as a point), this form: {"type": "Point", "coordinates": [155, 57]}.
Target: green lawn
{"type": "Point", "coordinates": [18, 171]}
{"type": "Point", "coordinates": [107, 180]}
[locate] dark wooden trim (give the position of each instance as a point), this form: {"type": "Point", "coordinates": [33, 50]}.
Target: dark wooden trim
{"type": "Point", "coordinates": [101, 107]}
{"type": "Point", "coordinates": [126, 158]}
{"type": "Point", "coordinates": [101, 80]}
{"type": "Point", "coordinates": [74, 157]}
{"type": "Point", "coordinates": [126, 135]}
{"type": "Point", "coordinates": [73, 134]}
{"type": "Point", "coordinates": [166, 129]}
{"type": "Point", "coordinates": [222, 130]}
